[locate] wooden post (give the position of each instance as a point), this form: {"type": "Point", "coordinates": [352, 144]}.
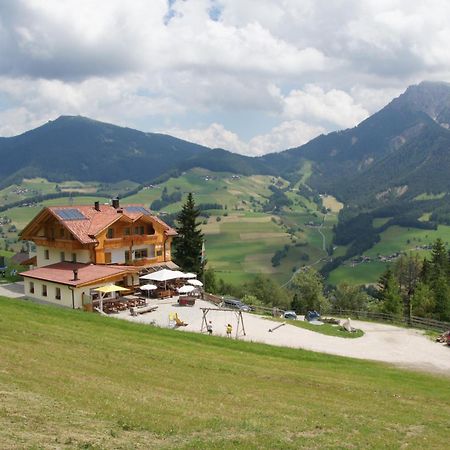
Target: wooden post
{"type": "Point", "coordinates": [205, 312]}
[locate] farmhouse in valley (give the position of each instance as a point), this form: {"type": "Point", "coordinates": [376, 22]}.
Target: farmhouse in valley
{"type": "Point", "coordinates": [82, 248]}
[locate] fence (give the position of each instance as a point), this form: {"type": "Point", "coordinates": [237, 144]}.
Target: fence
{"type": "Point", "coordinates": [263, 310]}
{"type": "Point", "coordinates": [413, 321]}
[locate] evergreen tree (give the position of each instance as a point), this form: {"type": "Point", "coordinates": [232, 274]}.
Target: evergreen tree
{"type": "Point", "coordinates": [441, 298]}
{"type": "Point", "coordinates": [391, 299]}
{"type": "Point", "coordinates": [382, 281]}
{"type": "Point", "coordinates": [439, 260]}
{"type": "Point", "coordinates": [188, 243]}
{"type": "Point", "coordinates": [425, 273]}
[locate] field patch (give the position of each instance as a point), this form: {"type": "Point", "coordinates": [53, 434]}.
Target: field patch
{"type": "Point", "coordinates": [332, 203]}
{"type": "Point", "coordinates": [251, 236]}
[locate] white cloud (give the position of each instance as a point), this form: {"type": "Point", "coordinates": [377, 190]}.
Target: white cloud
{"type": "Point", "coordinates": [313, 104]}
{"type": "Point", "coordinates": [311, 65]}
{"type": "Point", "coordinates": [286, 135]}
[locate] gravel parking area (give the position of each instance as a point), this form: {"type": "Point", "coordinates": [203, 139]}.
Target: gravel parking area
{"type": "Point", "coordinates": [403, 347]}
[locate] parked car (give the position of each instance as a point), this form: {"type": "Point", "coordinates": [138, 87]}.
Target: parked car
{"type": "Point", "coordinates": [290, 315]}
{"type": "Point", "coordinates": [231, 302]}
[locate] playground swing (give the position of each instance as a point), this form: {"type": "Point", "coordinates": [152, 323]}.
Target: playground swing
{"type": "Point", "coordinates": [236, 314]}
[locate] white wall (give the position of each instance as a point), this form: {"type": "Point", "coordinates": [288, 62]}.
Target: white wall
{"type": "Point", "coordinates": [66, 292]}
{"type": "Point", "coordinates": [117, 255]}
{"type": "Point", "coordinates": [83, 256]}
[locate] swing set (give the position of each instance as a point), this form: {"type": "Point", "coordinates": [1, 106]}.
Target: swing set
{"type": "Point", "coordinates": [239, 318]}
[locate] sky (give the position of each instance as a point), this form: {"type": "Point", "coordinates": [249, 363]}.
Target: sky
{"type": "Point", "coordinates": [250, 76]}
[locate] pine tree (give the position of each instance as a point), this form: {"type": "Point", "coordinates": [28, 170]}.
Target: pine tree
{"type": "Point", "coordinates": [188, 243]}
{"type": "Point", "coordinates": [391, 299]}
{"type": "Point", "coordinates": [439, 260]}
{"type": "Point", "coordinates": [441, 298]}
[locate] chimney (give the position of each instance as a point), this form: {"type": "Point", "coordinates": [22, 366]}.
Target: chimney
{"type": "Point", "coordinates": [115, 203]}
{"type": "Point", "coordinates": [75, 275]}
{"type": "Point", "coordinates": [97, 206]}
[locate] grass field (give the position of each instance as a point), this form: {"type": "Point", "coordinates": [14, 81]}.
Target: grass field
{"type": "Point", "coordinates": [360, 274]}
{"type": "Point", "coordinates": [79, 381]}
{"type": "Point", "coordinates": [326, 328]}
{"type": "Point", "coordinates": [396, 239]}
{"type": "Point", "coordinates": [210, 187]}
{"type": "Point", "coordinates": [242, 245]}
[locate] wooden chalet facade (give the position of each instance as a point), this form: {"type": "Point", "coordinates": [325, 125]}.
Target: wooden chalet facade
{"type": "Point", "coordinates": [73, 240]}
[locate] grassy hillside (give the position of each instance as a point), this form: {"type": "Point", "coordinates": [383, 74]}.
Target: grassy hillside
{"type": "Point", "coordinates": [76, 380]}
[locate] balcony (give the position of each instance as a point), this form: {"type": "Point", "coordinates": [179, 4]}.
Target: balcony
{"type": "Point", "coordinates": [127, 241]}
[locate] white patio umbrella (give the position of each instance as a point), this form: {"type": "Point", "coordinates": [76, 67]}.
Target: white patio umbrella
{"type": "Point", "coordinates": [161, 275]}
{"type": "Point", "coordinates": [195, 282]}
{"type": "Point", "coordinates": [186, 289]}
{"type": "Point", "coordinates": [189, 275]}
{"type": "Point", "coordinates": [148, 287]}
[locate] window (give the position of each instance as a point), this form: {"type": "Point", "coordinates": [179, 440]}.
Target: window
{"type": "Point", "coordinates": [58, 293]}
{"type": "Point", "coordinates": [46, 254]}
{"type": "Point", "coordinates": [62, 257]}
{"type": "Point", "coordinates": [31, 286]}
{"type": "Point", "coordinates": [110, 233]}
{"type": "Point", "coordinates": [127, 256]}
{"type": "Point", "coordinates": [44, 290]}
{"type": "Point", "coordinates": [150, 229]}
{"type": "Point", "coordinates": [74, 257]}
{"type": "Point", "coordinates": [139, 229]}
{"type": "Point", "coordinates": [61, 232]}
{"type": "Point", "coordinates": [158, 252]}
{"type": "Point", "coordinates": [127, 231]}
{"type": "Point", "coordinates": [141, 253]}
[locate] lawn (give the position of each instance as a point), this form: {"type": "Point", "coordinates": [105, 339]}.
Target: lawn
{"type": "Point", "coordinates": [326, 328]}
{"type": "Point", "coordinates": [76, 380]}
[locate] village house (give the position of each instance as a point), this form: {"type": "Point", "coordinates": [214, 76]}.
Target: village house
{"type": "Point", "coordinates": [82, 248]}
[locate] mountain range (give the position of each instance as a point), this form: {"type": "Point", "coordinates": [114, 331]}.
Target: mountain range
{"type": "Point", "coordinates": [399, 152]}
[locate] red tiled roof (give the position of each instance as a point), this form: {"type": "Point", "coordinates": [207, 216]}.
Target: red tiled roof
{"type": "Point", "coordinates": [62, 273]}
{"type": "Point", "coordinates": [85, 230]}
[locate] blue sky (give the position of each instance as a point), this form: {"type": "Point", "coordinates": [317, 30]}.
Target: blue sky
{"type": "Point", "coordinates": [249, 76]}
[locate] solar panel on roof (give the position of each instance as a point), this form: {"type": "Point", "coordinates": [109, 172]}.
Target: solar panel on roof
{"type": "Point", "coordinates": [137, 209]}
{"type": "Point", "coordinates": [70, 214]}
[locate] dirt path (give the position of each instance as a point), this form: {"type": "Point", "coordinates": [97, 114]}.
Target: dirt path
{"type": "Point", "coordinates": [402, 347]}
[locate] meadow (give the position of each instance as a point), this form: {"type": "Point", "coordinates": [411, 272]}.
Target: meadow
{"type": "Point", "coordinates": [76, 380]}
